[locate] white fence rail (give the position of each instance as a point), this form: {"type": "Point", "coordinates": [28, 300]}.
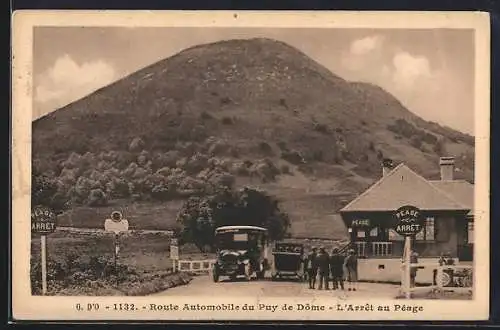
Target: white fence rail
{"type": "Point", "coordinates": [194, 266]}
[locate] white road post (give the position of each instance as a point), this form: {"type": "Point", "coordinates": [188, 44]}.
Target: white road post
{"type": "Point", "coordinates": [407, 269]}
{"type": "Point", "coordinates": [43, 247]}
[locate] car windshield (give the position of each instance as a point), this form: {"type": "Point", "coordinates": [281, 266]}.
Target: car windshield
{"type": "Point", "coordinates": [239, 240]}
{"type": "Point", "coordinates": [293, 248]}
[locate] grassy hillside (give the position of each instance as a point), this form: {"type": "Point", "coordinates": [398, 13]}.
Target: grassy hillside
{"type": "Point", "coordinates": [256, 110]}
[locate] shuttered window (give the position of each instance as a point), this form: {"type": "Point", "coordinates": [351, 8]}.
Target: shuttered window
{"type": "Point", "coordinates": [443, 229]}
{"type": "Point", "coordinates": [428, 233]}
{"type": "Point", "coordinates": [470, 232]}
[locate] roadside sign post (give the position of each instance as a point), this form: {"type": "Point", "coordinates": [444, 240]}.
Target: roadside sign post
{"type": "Point", "coordinates": [43, 221]}
{"type": "Point", "coordinates": [409, 222]}
{"type": "Point", "coordinates": [174, 253]}
{"type": "Point", "coordinates": [116, 224]}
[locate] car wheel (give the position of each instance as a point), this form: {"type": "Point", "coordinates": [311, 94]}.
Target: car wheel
{"type": "Point", "coordinates": [215, 274]}
{"type": "Point", "coordinates": [445, 279]}
{"type": "Point", "coordinates": [248, 271]}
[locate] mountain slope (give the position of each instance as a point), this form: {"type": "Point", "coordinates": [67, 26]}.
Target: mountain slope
{"type": "Point", "coordinates": [262, 99]}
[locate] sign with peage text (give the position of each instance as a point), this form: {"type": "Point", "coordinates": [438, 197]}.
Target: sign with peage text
{"type": "Point", "coordinates": [409, 221]}
{"type": "Point", "coordinates": [43, 220]}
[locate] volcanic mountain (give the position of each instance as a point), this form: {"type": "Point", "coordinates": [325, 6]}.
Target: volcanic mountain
{"type": "Point", "coordinates": [263, 99]}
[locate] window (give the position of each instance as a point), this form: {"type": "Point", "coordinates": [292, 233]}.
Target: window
{"type": "Point", "coordinates": [470, 232]}
{"type": "Point", "coordinates": [428, 233]}
{"type": "Point", "coordinates": [394, 236]}
{"type": "Point", "coordinates": [240, 237]}
{"type": "Point", "coordinates": [361, 233]}
{"type": "Point", "coordinates": [374, 232]}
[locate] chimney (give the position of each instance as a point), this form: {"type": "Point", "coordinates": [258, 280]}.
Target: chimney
{"type": "Point", "coordinates": [387, 166]}
{"type": "Point", "coordinates": [447, 165]}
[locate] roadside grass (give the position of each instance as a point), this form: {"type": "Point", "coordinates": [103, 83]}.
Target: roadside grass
{"type": "Point", "coordinates": [82, 264]}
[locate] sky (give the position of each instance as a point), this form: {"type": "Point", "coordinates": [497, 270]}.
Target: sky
{"type": "Point", "coordinates": [431, 71]}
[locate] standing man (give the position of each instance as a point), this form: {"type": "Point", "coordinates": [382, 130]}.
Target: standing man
{"type": "Point", "coordinates": [324, 268]}
{"type": "Point", "coordinates": [351, 270]}
{"type": "Point", "coordinates": [413, 269]}
{"type": "Point", "coordinates": [312, 268]}
{"type": "Point", "coordinates": [337, 269]}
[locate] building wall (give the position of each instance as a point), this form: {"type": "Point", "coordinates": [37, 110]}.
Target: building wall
{"type": "Point", "coordinates": [449, 234]}
{"type": "Point", "coordinates": [389, 270]}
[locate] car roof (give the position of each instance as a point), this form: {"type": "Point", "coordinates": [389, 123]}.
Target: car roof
{"type": "Point", "coordinates": [223, 228]}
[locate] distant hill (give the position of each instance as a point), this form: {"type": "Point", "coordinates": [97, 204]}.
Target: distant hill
{"type": "Point", "coordinates": [245, 100]}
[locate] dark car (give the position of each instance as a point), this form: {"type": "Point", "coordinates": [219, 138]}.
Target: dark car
{"type": "Point", "coordinates": [288, 260]}
{"type": "Point", "coordinates": [241, 251]}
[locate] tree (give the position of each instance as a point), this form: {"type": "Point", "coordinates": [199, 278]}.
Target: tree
{"type": "Point", "coordinates": [200, 216]}
{"type": "Point", "coordinates": [440, 147]}
{"type": "Point", "coordinates": [45, 191]}
{"type": "Point", "coordinates": [97, 197]}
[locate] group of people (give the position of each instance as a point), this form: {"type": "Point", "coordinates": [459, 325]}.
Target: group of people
{"type": "Point", "coordinates": [334, 267]}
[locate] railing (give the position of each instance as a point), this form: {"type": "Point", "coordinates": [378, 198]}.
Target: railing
{"type": "Point", "coordinates": [382, 249]}
{"type": "Point", "coordinates": [194, 266]}
{"type": "Point", "coordinates": [361, 249]}
{"type": "Point", "coordinates": [343, 250]}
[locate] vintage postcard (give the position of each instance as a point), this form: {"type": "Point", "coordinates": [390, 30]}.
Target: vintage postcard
{"type": "Point", "coordinates": [250, 165]}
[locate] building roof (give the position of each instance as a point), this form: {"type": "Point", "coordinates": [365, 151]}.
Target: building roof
{"type": "Point", "coordinates": [402, 186]}
{"type": "Point", "coordinates": [461, 190]}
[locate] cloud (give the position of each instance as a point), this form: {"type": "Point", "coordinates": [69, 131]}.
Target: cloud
{"type": "Point", "coordinates": [408, 69]}
{"type": "Point", "coordinates": [409, 77]}
{"type": "Point", "coordinates": [67, 81]}
{"type": "Point", "coordinates": [362, 54]}
{"type": "Point", "coordinates": [365, 45]}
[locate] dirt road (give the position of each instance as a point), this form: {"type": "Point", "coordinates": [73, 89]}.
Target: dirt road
{"type": "Point", "coordinates": [204, 286]}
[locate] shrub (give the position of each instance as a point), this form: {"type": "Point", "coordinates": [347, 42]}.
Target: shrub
{"type": "Point", "coordinates": [136, 144]}
{"type": "Point", "coordinates": [322, 128]}
{"type": "Point", "coordinates": [205, 115]}
{"type": "Point", "coordinates": [416, 142]}
{"type": "Point", "coordinates": [285, 169]}
{"type": "Point", "coordinates": [97, 197]}
{"type": "Point", "coordinates": [282, 145]}
{"type": "Point", "coordinates": [265, 148]}
{"type": "Point", "coordinates": [429, 138]}
{"type": "Point", "coordinates": [227, 120]}
{"type": "Point", "coordinates": [293, 157]}
{"type": "Point", "coordinates": [283, 103]}
{"type": "Point", "coordinates": [225, 100]}
{"type": "Point", "coordinates": [440, 147]}
{"type": "Point", "coordinates": [404, 128]}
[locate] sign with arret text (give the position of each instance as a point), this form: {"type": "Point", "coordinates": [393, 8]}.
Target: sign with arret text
{"type": "Point", "coordinates": [43, 220]}
{"type": "Point", "coordinates": [409, 221]}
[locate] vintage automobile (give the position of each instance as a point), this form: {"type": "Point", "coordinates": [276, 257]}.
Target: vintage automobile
{"type": "Point", "coordinates": [288, 261]}
{"type": "Point", "coordinates": [241, 251]}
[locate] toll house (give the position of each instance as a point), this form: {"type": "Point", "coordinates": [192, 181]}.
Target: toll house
{"type": "Point", "coordinates": [445, 204]}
